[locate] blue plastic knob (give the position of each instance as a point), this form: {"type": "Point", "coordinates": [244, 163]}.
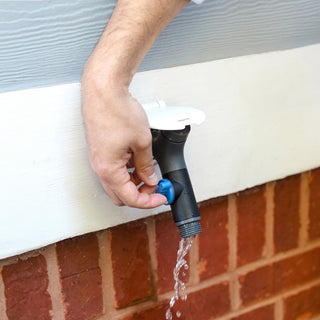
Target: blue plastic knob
{"type": "Point", "coordinates": [165, 188]}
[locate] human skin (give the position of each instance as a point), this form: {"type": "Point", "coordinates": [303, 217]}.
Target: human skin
{"type": "Point", "coordinates": [116, 125]}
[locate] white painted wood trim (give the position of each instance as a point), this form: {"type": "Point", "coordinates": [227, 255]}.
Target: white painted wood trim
{"type": "Point", "coordinates": [262, 124]}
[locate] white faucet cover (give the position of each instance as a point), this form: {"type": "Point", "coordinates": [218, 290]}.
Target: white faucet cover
{"type": "Point", "coordinates": [174, 118]}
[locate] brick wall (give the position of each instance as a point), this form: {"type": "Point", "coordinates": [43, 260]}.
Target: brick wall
{"type": "Point", "coordinates": [257, 258]}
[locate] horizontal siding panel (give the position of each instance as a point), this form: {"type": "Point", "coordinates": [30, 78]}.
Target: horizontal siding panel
{"type": "Point", "coordinates": [47, 42]}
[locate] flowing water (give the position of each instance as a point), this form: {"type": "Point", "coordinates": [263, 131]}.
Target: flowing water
{"type": "Point", "coordinates": [179, 286]}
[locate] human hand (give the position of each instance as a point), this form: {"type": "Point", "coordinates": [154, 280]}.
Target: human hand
{"type": "Point", "coordinates": [119, 137]}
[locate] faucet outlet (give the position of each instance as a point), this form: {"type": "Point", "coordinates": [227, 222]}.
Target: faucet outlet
{"type": "Point", "coordinates": [168, 148]}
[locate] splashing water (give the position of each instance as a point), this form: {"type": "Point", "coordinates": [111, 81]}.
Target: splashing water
{"type": "Point", "coordinates": [179, 286]}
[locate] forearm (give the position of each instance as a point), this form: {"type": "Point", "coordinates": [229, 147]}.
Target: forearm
{"type": "Point", "coordinates": [130, 33]}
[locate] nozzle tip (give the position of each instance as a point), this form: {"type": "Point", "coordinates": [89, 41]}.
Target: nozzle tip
{"type": "Point", "coordinates": [189, 229]}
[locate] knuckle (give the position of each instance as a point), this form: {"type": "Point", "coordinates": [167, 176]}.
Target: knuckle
{"type": "Point", "coordinates": [144, 142]}
{"type": "Point", "coordinates": [147, 169]}
{"type": "Point", "coordinates": [104, 172]}
{"type": "Point", "coordinates": [137, 201]}
{"type": "Point", "coordinates": [130, 201]}
{"type": "Point", "coordinates": [118, 203]}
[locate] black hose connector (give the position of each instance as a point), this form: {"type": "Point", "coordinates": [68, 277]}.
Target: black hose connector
{"type": "Point", "coordinates": [168, 148]}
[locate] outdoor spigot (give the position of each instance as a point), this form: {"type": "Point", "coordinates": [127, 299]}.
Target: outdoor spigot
{"type": "Point", "coordinates": [170, 127]}
{"type": "Point", "coordinates": [168, 146]}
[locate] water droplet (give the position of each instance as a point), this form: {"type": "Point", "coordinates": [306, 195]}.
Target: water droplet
{"type": "Point", "coordinates": [178, 314]}
{"type": "Point", "coordinates": [172, 302]}
{"type": "Point", "coordinates": [168, 315]}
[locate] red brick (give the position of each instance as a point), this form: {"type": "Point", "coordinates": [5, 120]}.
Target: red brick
{"type": "Point", "coordinates": [78, 260]}
{"type": "Point", "coordinates": [263, 313]}
{"type": "Point", "coordinates": [257, 284]}
{"type": "Point", "coordinates": [130, 262]}
{"type": "Point", "coordinates": [282, 275]}
{"type": "Point", "coordinates": [314, 224]}
{"type": "Point", "coordinates": [205, 304]}
{"type": "Point", "coordinates": [167, 244]}
{"type": "Point", "coordinates": [200, 305]}
{"type": "Point", "coordinates": [25, 288]}
{"type": "Point", "coordinates": [82, 295]}
{"type": "Point", "coordinates": [213, 241]}
{"type": "Point", "coordinates": [156, 312]}
{"type": "Point", "coordinates": [297, 270]}
{"type": "Point", "coordinates": [286, 213]}
{"type": "Point", "coordinates": [303, 305]}
{"type": "Point", "coordinates": [251, 209]}
{"type": "Point", "coordinates": [77, 254]}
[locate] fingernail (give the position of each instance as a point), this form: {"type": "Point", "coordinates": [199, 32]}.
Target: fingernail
{"type": "Point", "coordinates": [153, 179]}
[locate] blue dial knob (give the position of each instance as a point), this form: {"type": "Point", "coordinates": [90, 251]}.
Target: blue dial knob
{"type": "Point", "coordinates": [165, 188]}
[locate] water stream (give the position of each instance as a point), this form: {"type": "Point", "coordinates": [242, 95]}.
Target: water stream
{"type": "Point", "coordinates": [179, 286]}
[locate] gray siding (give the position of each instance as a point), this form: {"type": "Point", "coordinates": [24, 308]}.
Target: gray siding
{"type": "Point", "coordinates": [47, 42]}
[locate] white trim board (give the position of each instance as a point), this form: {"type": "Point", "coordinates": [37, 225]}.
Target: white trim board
{"type": "Point", "coordinates": [262, 124]}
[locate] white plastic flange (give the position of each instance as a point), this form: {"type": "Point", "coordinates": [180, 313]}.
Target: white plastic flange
{"type": "Point", "coordinates": [164, 117]}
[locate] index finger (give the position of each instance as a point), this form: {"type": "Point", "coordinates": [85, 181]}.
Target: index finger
{"type": "Point", "coordinates": [130, 196]}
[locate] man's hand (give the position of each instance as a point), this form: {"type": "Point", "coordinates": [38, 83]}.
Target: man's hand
{"type": "Point", "coordinates": [116, 125]}
{"type": "Point", "coordinates": [119, 137]}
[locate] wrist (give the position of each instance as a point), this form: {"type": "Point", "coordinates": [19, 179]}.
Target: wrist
{"type": "Point", "coordinates": [105, 73]}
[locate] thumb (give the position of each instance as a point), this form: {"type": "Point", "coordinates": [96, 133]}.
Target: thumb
{"type": "Point", "coordinates": [143, 163]}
